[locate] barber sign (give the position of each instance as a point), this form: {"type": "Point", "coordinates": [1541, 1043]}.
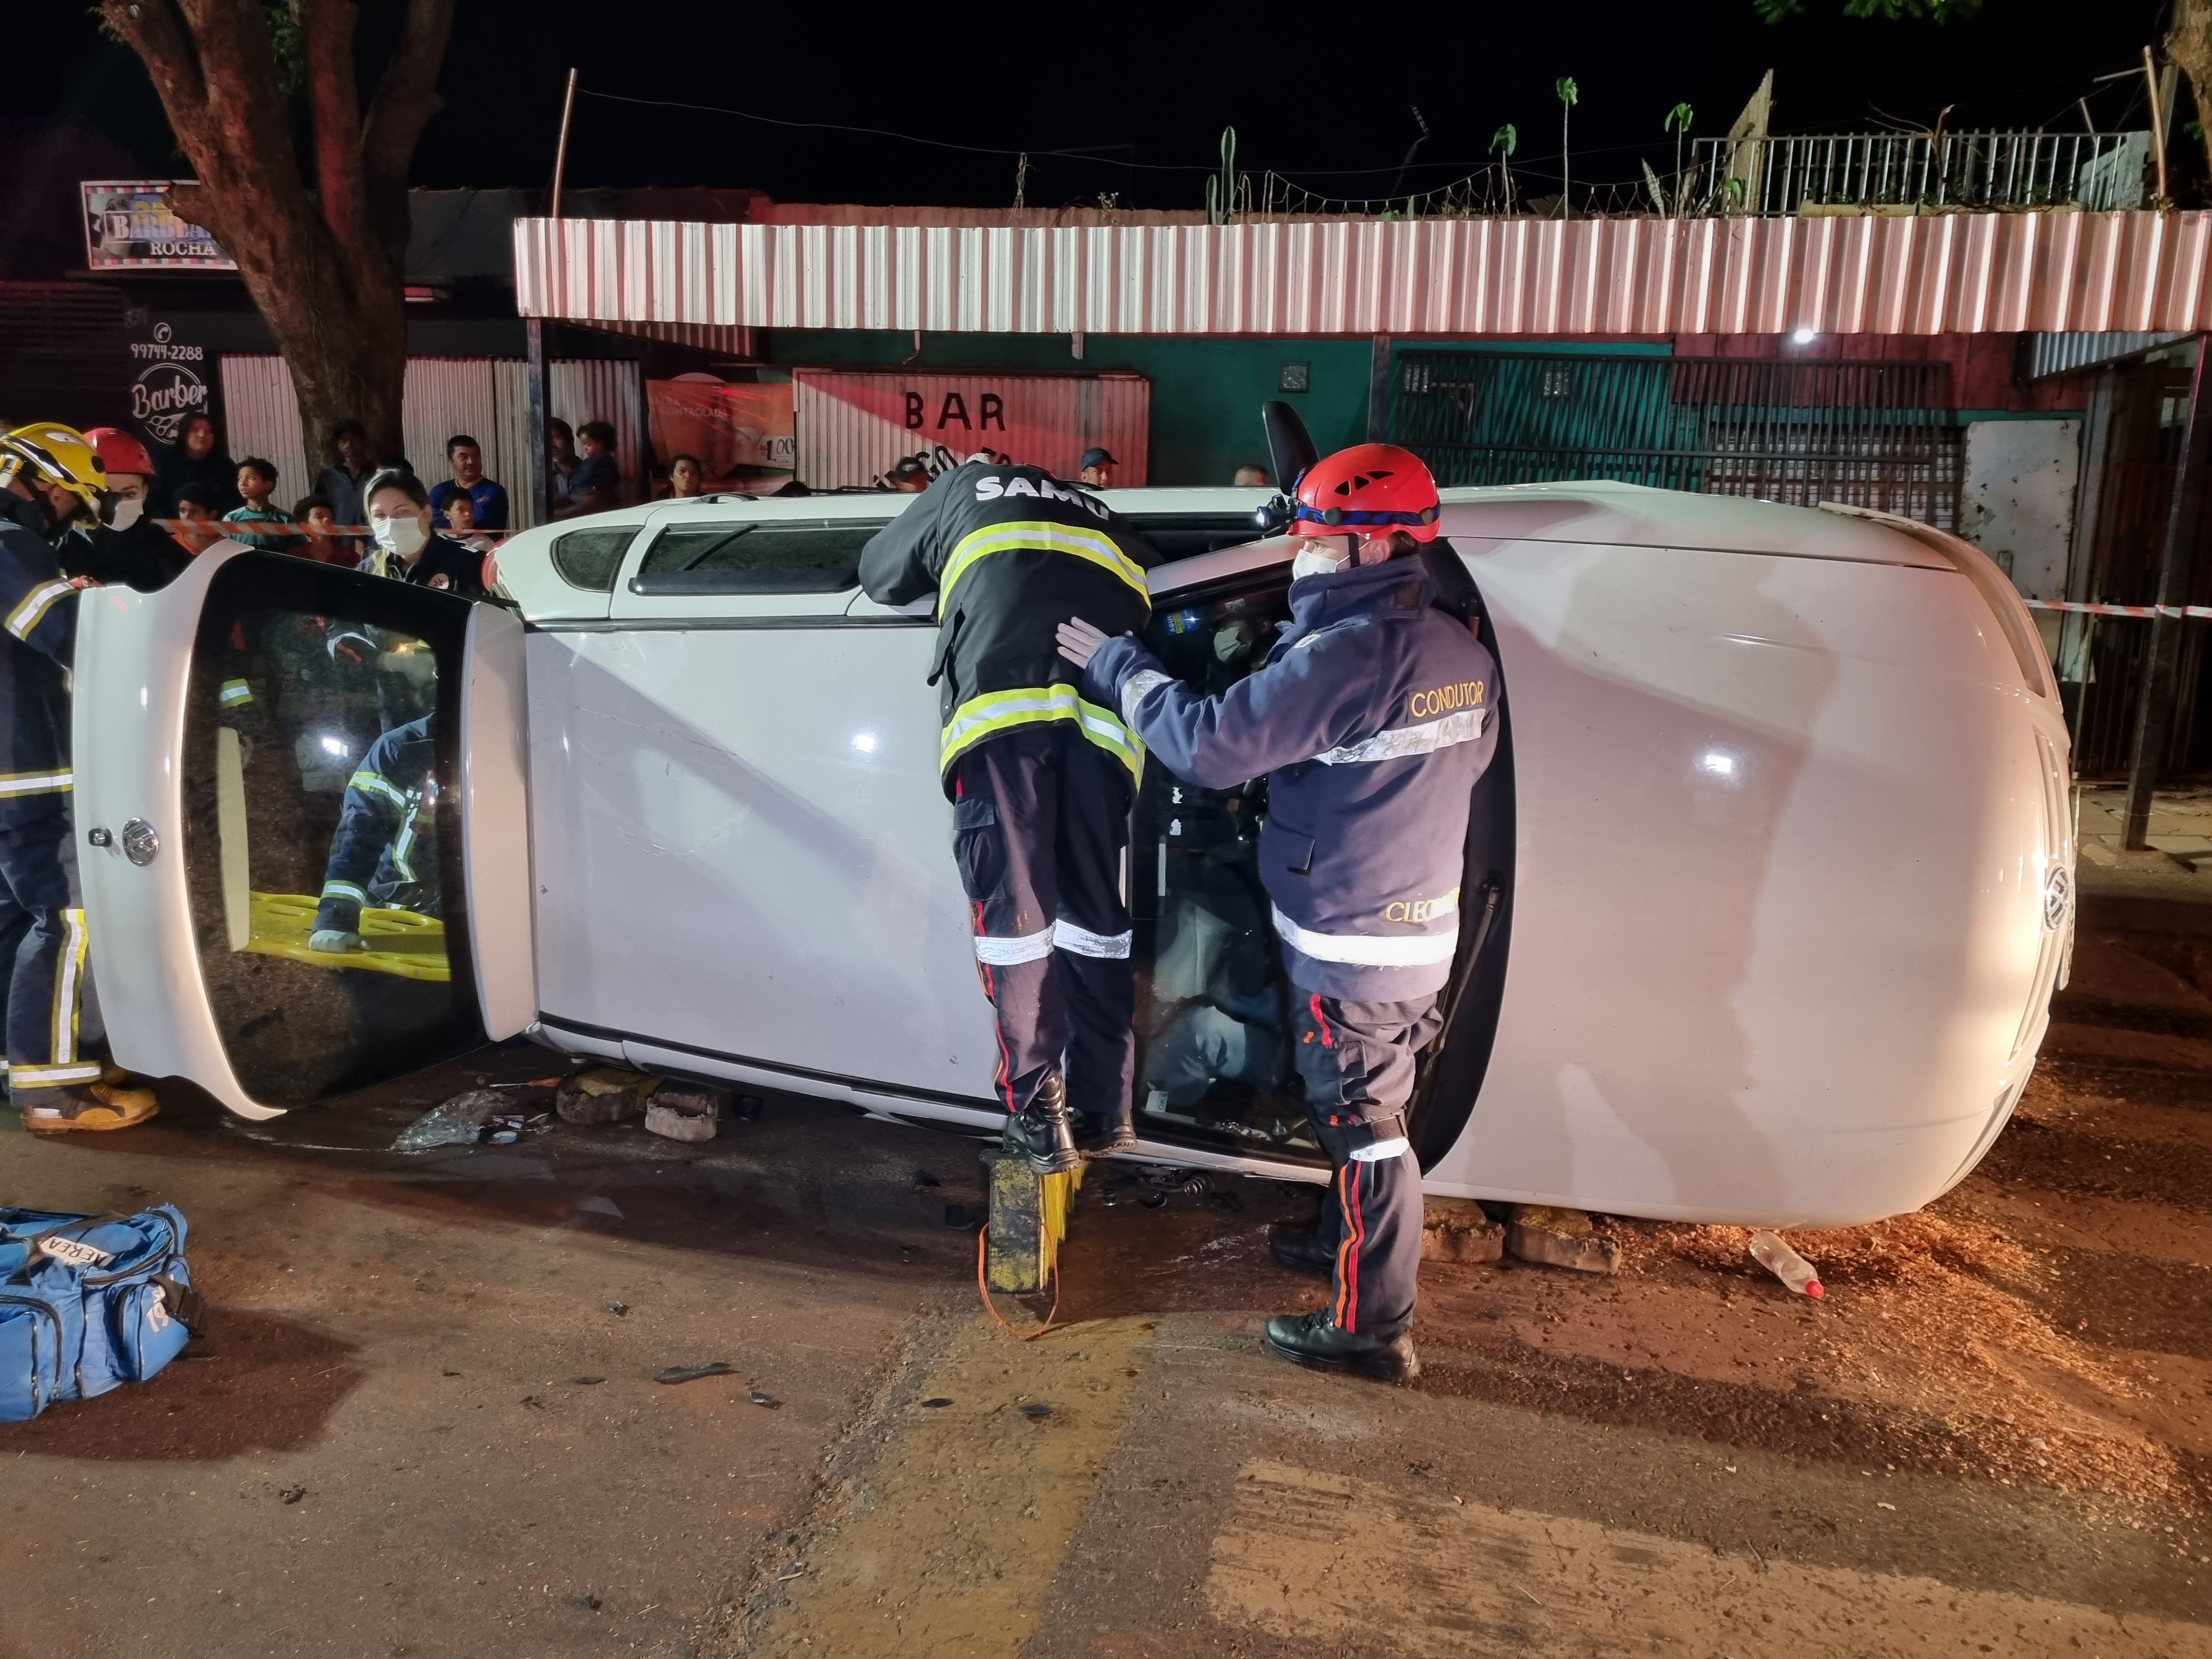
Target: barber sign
{"type": "Point", "coordinates": [853, 426]}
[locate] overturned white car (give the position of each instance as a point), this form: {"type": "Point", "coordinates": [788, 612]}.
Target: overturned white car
{"type": "Point", "coordinates": [1769, 885]}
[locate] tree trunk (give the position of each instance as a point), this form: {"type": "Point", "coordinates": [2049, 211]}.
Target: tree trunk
{"type": "Point", "coordinates": [2189, 45]}
{"type": "Point", "coordinates": [325, 265]}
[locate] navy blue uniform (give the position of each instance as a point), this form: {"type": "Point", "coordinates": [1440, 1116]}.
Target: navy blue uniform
{"type": "Point", "coordinates": [1041, 778]}
{"type": "Point", "coordinates": [1372, 719]}
{"type": "Point", "coordinates": [42, 931]}
{"type": "Point", "coordinates": [383, 850]}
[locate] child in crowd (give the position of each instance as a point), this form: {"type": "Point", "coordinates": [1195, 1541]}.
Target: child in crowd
{"type": "Point", "coordinates": [461, 522]}
{"type": "Point", "coordinates": [199, 521]}
{"type": "Point", "coordinates": [314, 514]}
{"type": "Point", "coordinates": [260, 523]}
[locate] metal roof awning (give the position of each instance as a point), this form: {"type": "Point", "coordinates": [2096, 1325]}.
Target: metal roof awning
{"type": "Point", "coordinates": [1932, 274]}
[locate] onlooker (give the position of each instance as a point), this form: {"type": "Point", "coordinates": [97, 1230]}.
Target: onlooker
{"type": "Point", "coordinates": [196, 459]}
{"type": "Point", "coordinates": [561, 457]}
{"type": "Point", "coordinates": [404, 546]}
{"type": "Point", "coordinates": [909, 477]}
{"type": "Point", "coordinates": [461, 521]}
{"type": "Point", "coordinates": [1251, 478]}
{"type": "Point", "coordinates": [322, 542]}
{"type": "Point", "coordinates": [200, 518]}
{"type": "Point", "coordinates": [596, 484]}
{"type": "Point", "coordinates": [687, 478]}
{"type": "Point", "coordinates": [1096, 469]}
{"type": "Point", "coordinates": [340, 485]}
{"type": "Point", "coordinates": [257, 482]}
{"type": "Point", "coordinates": [465, 456]}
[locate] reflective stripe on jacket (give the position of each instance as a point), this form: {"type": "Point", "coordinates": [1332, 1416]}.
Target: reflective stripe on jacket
{"type": "Point", "coordinates": [1372, 719]}
{"type": "Point", "coordinates": [1011, 553]}
{"type": "Point", "coordinates": [38, 638]}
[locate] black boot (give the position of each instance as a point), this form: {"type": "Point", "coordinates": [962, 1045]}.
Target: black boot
{"type": "Point", "coordinates": [1310, 1339]}
{"type": "Point", "coordinates": [1099, 1136]}
{"type": "Point", "coordinates": [1302, 1250]}
{"type": "Point", "coordinates": [1042, 1131]}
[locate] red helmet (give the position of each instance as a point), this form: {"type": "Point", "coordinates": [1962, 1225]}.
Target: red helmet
{"type": "Point", "coordinates": [1369, 489]}
{"type": "Point", "coordinates": [119, 451]}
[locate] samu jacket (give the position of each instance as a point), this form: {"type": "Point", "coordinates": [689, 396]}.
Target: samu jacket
{"type": "Point", "coordinates": [1012, 553]}
{"type": "Point", "coordinates": [38, 638]}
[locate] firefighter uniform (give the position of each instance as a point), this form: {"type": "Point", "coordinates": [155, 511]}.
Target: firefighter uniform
{"type": "Point", "coordinates": [42, 931]}
{"type": "Point", "coordinates": [385, 852]}
{"type": "Point", "coordinates": [1372, 718]}
{"type": "Point", "coordinates": [1041, 775]}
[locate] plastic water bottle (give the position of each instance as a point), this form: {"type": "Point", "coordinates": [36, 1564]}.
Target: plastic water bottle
{"type": "Point", "coordinates": [1785, 1264]}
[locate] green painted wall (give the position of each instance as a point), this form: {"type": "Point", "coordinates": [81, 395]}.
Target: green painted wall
{"type": "Point", "coordinates": [1207, 393]}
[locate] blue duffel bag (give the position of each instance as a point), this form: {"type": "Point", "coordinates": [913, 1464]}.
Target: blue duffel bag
{"type": "Point", "coordinates": [89, 1302]}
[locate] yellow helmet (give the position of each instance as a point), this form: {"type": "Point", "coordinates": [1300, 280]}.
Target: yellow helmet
{"type": "Point", "coordinates": [49, 452]}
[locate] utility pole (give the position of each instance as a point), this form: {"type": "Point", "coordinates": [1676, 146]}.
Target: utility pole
{"type": "Point", "coordinates": [533, 333]}
{"type": "Point", "coordinates": [2184, 528]}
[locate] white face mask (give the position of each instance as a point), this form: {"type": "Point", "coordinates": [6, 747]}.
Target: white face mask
{"type": "Point", "coordinates": [127, 512]}
{"type": "Point", "coordinates": [403, 538]}
{"type": "Point", "coordinates": [1312, 561]}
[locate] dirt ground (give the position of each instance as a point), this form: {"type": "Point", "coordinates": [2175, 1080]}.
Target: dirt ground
{"type": "Point", "coordinates": [424, 1419]}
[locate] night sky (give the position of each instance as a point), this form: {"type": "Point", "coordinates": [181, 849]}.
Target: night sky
{"type": "Point", "coordinates": [1325, 102]}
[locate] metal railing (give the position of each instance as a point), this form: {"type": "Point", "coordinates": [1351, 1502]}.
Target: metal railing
{"type": "Point", "coordinates": [1775, 177]}
{"type": "Point", "coordinates": [1877, 435]}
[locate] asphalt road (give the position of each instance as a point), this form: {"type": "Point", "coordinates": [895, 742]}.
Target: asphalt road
{"type": "Point", "coordinates": [424, 1420]}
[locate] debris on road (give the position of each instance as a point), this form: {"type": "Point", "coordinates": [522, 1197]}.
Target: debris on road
{"type": "Point", "coordinates": [1035, 1408]}
{"type": "Point", "coordinates": [693, 1373]}
{"type": "Point", "coordinates": [1785, 1264]}
{"type": "Point", "coordinates": [686, 1111]}
{"type": "Point", "coordinates": [1457, 1230]}
{"type": "Point", "coordinates": [605, 1094]}
{"type": "Point", "coordinates": [458, 1122]}
{"type": "Point", "coordinates": [936, 1401]}
{"type": "Point", "coordinates": [757, 1398]}
{"type": "Point", "coordinates": [593, 1204]}
{"type": "Point", "coordinates": [1555, 1237]}
{"type": "Point", "coordinates": [618, 1309]}
{"type": "Point", "coordinates": [292, 1494]}
{"type": "Point", "coordinates": [587, 1381]}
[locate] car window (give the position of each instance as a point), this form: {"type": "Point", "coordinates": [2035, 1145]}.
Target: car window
{"type": "Point", "coordinates": [780, 555]}
{"type": "Point", "coordinates": [589, 558]}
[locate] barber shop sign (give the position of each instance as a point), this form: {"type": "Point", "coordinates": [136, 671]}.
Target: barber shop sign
{"type": "Point", "coordinates": [853, 426]}
{"type": "Point", "coordinates": [171, 380]}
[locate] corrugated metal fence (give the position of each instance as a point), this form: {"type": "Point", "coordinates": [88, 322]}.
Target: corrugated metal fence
{"type": "Point", "coordinates": [486, 398]}
{"type": "Point", "coordinates": [1918, 274]}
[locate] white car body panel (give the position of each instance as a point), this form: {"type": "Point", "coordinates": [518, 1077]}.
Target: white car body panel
{"type": "Point", "coordinates": [1789, 808]}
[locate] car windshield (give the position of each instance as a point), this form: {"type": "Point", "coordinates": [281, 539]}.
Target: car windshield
{"type": "Point", "coordinates": [317, 747]}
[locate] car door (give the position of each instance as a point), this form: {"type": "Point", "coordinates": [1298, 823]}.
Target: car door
{"type": "Point", "coordinates": [228, 734]}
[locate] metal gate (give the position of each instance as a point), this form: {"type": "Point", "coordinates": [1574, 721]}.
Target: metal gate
{"type": "Point", "coordinates": [1872, 434]}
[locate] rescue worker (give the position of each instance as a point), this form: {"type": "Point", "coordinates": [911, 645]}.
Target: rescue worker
{"type": "Point", "coordinates": [1372, 718]}
{"type": "Point", "coordinates": [1040, 777]}
{"type": "Point", "coordinates": [384, 853]}
{"type": "Point", "coordinates": [51, 481]}
{"type": "Point", "coordinates": [128, 546]}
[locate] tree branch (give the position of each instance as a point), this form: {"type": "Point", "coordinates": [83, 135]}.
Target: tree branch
{"type": "Point", "coordinates": [406, 98]}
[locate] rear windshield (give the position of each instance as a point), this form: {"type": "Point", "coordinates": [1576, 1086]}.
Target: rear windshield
{"type": "Point", "coordinates": [321, 758]}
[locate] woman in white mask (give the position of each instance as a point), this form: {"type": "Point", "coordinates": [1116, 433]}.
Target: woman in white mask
{"type": "Point", "coordinates": [403, 544]}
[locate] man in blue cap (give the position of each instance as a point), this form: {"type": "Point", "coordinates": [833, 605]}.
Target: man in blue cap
{"type": "Point", "coordinates": [1096, 469]}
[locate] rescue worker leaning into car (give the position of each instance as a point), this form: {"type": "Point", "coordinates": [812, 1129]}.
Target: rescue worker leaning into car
{"type": "Point", "coordinates": [1041, 779]}
{"type": "Point", "coordinates": [1372, 718]}
{"type": "Point", "coordinates": [51, 483]}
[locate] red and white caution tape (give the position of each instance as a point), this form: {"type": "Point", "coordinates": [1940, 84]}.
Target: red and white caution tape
{"type": "Point", "coordinates": [2195, 613]}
